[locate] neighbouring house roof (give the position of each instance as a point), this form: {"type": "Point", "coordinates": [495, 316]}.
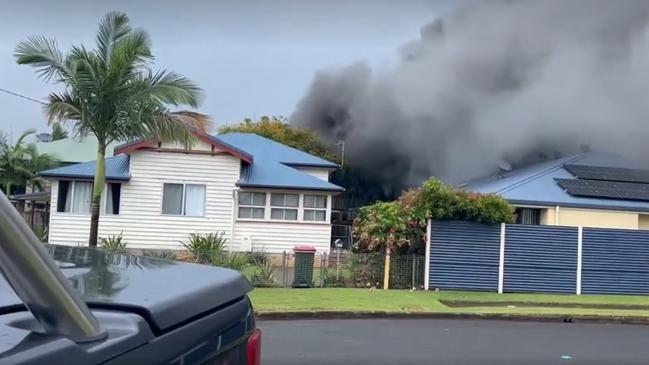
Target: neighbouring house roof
{"type": "Point", "coordinates": [267, 164]}
{"type": "Point", "coordinates": [117, 169]}
{"type": "Point", "coordinates": [538, 184]}
{"type": "Point", "coordinates": [73, 149]}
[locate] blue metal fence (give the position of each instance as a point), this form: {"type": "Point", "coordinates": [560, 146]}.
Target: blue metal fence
{"type": "Point", "coordinates": [615, 261]}
{"type": "Point", "coordinates": [464, 255]}
{"type": "Point", "coordinates": [540, 259]}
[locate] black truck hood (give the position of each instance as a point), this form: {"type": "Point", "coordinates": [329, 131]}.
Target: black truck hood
{"type": "Point", "coordinates": [166, 293]}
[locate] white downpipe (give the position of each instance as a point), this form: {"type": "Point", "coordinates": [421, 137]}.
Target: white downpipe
{"type": "Point", "coordinates": [427, 259]}
{"type": "Point", "coordinates": [501, 262]}
{"type": "Point", "coordinates": [235, 199]}
{"type": "Point", "coordinates": [580, 238]}
{"type": "Point", "coordinates": [556, 215]}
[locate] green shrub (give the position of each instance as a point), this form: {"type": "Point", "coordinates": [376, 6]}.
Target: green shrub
{"type": "Point", "coordinates": [261, 276]}
{"type": "Point", "coordinates": [113, 243]}
{"type": "Point", "coordinates": [232, 260]}
{"type": "Point", "coordinates": [41, 232]}
{"type": "Point", "coordinates": [205, 246]}
{"type": "Point", "coordinates": [400, 226]}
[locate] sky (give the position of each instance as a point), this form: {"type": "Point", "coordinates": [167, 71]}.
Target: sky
{"type": "Point", "coordinates": [252, 58]}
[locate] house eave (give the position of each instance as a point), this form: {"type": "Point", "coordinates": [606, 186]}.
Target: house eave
{"type": "Point", "coordinates": [284, 187]}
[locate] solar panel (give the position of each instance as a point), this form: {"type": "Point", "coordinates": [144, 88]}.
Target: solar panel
{"type": "Point", "coordinates": [609, 173]}
{"type": "Point", "coordinates": [605, 189]}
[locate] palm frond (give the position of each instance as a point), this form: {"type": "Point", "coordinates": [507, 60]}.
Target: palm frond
{"type": "Point", "coordinates": [192, 120]}
{"type": "Point", "coordinates": [23, 135]}
{"type": "Point", "coordinates": [112, 28]}
{"type": "Point", "coordinates": [172, 88]}
{"type": "Point", "coordinates": [43, 54]}
{"type": "Point", "coordinates": [62, 107]}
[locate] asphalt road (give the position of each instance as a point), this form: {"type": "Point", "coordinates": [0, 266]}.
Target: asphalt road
{"type": "Point", "coordinates": [457, 341]}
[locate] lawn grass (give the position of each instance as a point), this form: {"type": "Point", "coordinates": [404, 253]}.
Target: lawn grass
{"type": "Point", "coordinates": [404, 301]}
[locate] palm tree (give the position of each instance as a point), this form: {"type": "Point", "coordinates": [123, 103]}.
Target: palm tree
{"type": "Point", "coordinates": [112, 93]}
{"type": "Point", "coordinates": [21, 162]}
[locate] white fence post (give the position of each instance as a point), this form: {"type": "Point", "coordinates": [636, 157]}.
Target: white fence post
{"type": "Point", "coordinates": [580, 237]}
{"type": "Point", "coordinates": [427, 262]}
{"type": "Point", "coordinates": [501, 262]}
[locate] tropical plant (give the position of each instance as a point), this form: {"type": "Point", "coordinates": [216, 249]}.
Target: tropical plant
{"type": "Point", "coordinates": [400, 226]}
{"type": "Point", "coordinates": [58, 132]}
{"type": "Point", "coordinates": [262, 276]}
{"type": "Point", "coordinates": [206, 246]}
{"type": "Point", "coordinates": [41, 232]}
{"type": "Point", "coordinates": [112, 92]}
{"type": "Point", "coordinates": [278, 129]}
{"type": "Point", "coordinates": [232, 260]}
{"type": "Point", "coordinates": [113, 243]}
{"type": "Point", "coordinates": [20, 163]}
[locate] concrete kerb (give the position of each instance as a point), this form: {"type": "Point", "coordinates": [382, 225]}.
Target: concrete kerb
{"type": "Point", "coordinates": [325, 315]}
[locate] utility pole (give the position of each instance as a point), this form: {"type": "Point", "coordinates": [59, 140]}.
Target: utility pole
{"type": "Point", "coordinates": [341, 144]}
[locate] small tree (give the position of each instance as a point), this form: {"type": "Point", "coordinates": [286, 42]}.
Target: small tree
{"type": "Point", "coordinates": [20, 163]}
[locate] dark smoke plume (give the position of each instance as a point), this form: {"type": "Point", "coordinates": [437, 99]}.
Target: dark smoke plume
{"type": "Point", "coordinates": [493, 81]}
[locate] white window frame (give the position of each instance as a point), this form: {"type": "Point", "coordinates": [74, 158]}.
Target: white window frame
{"type": "Point", "coordinates": [284, 208]}
{"type": "Point", "coordinates": [268, 207]}
{"type": "Point", "coordinates": [264, 207]}
{"type": "Point", "coordinates": [104, 196]}
{"type": "Point", "coordinates": [314, 209]}
{"type": "Point", "coordinates": [71, 188]}
{"type": "Point", "coordinates": [182, 204]}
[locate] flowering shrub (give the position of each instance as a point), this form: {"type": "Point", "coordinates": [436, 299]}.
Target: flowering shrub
{"type": "Point", "coordinates": [400, 225]}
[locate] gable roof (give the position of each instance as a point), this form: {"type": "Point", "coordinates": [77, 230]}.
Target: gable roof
{"type": "Point", "coordinates": [117, 169]}
{"type": "Point", "coordinates": [268, 164]}
{"type": "Point", "coordinates": [276, 165]}
{"type": "Point", "coordinates": [537, 184]}
{"type": "Point", "coordinates": [211, 140]}
{"type": "Point", "coordinates": [73, 149]}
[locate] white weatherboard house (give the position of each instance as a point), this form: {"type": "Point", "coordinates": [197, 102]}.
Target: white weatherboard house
{"type": "Point", "coordinates": [264, 195]}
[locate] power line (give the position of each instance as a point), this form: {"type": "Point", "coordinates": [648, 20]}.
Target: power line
{"type": "Point", "coordinates": [22, 96]}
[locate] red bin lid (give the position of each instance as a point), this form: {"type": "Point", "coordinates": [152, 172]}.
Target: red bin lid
{"type": "Point", "coordinates": [304, 248]}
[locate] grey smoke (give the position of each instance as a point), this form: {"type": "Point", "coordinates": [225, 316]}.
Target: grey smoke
{"type": "Point", "coordinates": [493, 80]}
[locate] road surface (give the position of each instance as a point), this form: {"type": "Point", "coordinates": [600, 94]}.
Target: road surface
{"type": "Point", "coordinates": [437, 341]}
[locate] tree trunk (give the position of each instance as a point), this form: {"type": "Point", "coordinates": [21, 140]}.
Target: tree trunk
{"type": "Point", "coordinates": [98, 188]}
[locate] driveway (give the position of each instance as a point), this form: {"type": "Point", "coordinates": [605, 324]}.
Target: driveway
{"type": "Point", "coordinates": [458, 341]}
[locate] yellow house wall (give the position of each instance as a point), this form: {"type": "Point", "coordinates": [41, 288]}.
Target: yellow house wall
{"type": "Point", "coordinates": [597, 218]}
{"type": "Point", "coordinates": [594, 218]}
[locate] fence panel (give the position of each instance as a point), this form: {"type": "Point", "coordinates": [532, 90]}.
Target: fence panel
{"type": "Point", "coordinates": [540, 259]}
{"type": "Point", "coordinates": [464, 255]}
{"type": "Point", "coordinates": [615, 261]}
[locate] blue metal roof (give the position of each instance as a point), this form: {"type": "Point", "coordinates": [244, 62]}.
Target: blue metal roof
{"type": "Point", "coordinates": [117, 168]}
{"type": "Point", "coordinates": [536, 185]}
{"type": "Point", "coordinates": [275, 164]}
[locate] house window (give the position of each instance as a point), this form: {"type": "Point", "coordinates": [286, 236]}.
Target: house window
{"type": "Point", "coordinates": [74, 197]}
{"type": "Point", "coordinates": [183, 199]}
{"type": "Point", "coordinates": [252, 205]}
{"type": "Point", "coordinates": [528, 216]}
{"type": "Point", "coordinates": [315, 208]}
{"type": "Point", "coordinates": [284, 206]}
{"type": "Point", "coordinates": [113, 195]}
